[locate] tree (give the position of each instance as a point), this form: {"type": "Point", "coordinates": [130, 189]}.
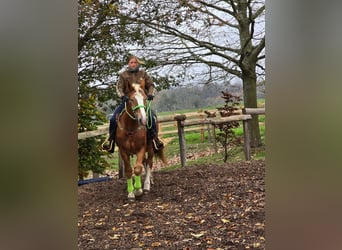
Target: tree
{"type": "Point", "coordinates": [102, 39]}
{"type": "Point", "coordinates": [206, 41]}
{"type": "Point", "coordinates": [89, 155]}
{"type": "Point", "coordinates": [226, 136]}
{"type": "Point", "coordinates": [185, 41]}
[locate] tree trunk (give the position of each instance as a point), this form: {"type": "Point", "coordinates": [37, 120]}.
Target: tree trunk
{"type": "Point", "coordinates": [247, 64]}
{"type": "Point", "coordinates": [250, 101]}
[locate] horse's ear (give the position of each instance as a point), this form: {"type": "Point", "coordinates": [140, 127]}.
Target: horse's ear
{"type": "Point", "coordinates": [130, 88]}
{"type": "Point", "coordinates": [142, 83]}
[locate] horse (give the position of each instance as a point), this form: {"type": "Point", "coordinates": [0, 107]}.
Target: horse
{"type": "Point", "coordinates": [131, 139]}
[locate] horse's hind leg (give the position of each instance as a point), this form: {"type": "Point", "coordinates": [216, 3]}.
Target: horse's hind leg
{"type": "Point", "coordinates": [148, 173]}
{"type": "Point", "coordinates": [147, 182]}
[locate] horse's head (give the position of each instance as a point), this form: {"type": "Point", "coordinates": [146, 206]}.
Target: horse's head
{"type": "Point", "coordinates": [137, 103]}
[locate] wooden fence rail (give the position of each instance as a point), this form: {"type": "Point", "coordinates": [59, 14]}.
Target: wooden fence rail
{"type": "Point", "coordinates": [183, 121]}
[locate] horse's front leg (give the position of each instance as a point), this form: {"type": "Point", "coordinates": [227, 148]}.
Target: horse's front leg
{"type": "Point", "coordinates": [137, 173]}
{"type": "Point", "coordinates": [128, 174]}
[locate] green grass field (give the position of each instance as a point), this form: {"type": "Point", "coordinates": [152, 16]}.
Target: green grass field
{"type": "Point", "coordinates": [194, 145]}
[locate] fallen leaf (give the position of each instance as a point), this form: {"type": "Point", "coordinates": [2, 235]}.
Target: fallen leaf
{"type": "Point", "coordinates": [198, 235]}
{"type": "Point", "coordinates": [148, 234]}
{"type": "Point", "coordinates": [257, 244]}
{"type": "Point", "coordinates": [225, 220]}
{"type": "Point", "coordinates": [114, 237]}
{"type": "Point", "coordinates": [156, 244]}
{"type": "Point", "coordinates": [209, 241]}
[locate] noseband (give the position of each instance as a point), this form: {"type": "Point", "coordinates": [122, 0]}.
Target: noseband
{"type": "Point", "coordinates": [133, 109]}
{"type": "Point", "coordinates": [131, 116]}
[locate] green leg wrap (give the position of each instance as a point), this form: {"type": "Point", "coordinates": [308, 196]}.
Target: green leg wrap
{"type": "Point", "coordinates": [137, 182]}
{"type": "Point", "coordinates": [130, 187]}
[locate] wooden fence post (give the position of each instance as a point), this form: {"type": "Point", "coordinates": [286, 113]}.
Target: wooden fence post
{"type": "Point", "coordinates": [181, 137]}
{"type": "Point", "coordinates": [247, 141]}
{"type": "Point", "coordinates": [201, 117]}
{"type": "Point", "coordinates": [209, 133]}
{"type": "Point", "coordinates": [213, 126]}
{"type": "Point", "coordinates": [160, 128]}
{"type": "Point", "coordinates": [121, 166]}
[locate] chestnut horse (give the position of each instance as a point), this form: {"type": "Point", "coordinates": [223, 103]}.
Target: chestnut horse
{"type": "Point", "coordinates": [131, 139]}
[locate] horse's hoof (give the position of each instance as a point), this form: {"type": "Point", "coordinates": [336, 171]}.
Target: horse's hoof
{"type": "Point", "coordinates": [146, 191]}
{"type": "Point", "coordinates": [147, 186]}
{"type": "Point", "coordinates": [138, 192]}
{"type": "Point", "coordinates": [131, 197]}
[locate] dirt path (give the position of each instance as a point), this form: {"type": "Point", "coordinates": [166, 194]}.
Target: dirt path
{"type": "Point", "coordinates": [196, 207]}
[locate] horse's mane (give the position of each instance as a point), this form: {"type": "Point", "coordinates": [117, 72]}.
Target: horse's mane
{"type": "Point", "coordinates": [137, 88]}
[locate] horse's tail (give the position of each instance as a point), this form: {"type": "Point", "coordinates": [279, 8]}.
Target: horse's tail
{"type": "Point", "coordinates": [160, 155]}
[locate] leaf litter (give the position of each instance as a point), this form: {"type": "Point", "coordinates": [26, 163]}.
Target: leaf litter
{"type": "Point", "coordinates": [195, 207]}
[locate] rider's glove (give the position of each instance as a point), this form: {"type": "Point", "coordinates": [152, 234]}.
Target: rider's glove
{"type": "Point", "coordinates": [124, 98]}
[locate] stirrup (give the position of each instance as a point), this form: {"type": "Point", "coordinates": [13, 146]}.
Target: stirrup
{"type": "Point", "coordinates": [157, 144]}
{"type": "Point", "coordinates": [108, 145]}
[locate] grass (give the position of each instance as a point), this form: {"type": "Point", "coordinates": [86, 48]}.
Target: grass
{"type": "Point", "coordinates": [194, 145]}
{"type": "Point", "coordinates": [183, 111]}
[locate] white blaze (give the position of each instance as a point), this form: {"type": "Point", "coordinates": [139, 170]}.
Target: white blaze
{"type": "Point", "coordinates": [140, 100]}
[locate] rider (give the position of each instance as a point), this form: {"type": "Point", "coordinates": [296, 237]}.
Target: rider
{"type": "Point", "coordinates": [132, 75]}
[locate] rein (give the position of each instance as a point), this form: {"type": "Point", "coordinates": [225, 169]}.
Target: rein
{"type": "Point", "coordinates": [133, 108]}
{"type": "Point", "coordinates": [149, 115]}
{"type": "Point", "coordinates": [132, 117]}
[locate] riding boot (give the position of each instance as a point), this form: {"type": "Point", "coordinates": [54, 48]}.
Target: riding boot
{"type": "Point", "coordinates": [157, 143]}
{"type": "Point", "coordinates": [109, 143]}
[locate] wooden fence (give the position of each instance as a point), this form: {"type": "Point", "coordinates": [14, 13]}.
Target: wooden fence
{"type": "Point", "coordinates": [196, 120]}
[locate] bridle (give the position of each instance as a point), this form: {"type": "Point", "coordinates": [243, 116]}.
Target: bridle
{"type": "Point", "coordinates": [127, 110]}
{"type": "Point", "coordinates": [133, 117]}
